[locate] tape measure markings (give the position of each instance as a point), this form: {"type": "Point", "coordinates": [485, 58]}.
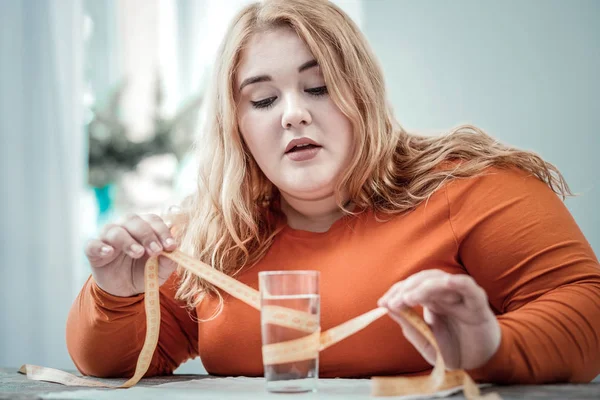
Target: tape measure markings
{"type": "Point", "coordinates": [303, 348]}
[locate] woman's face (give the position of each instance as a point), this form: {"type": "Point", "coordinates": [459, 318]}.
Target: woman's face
{"type": "Point", "coordinates": [295, 132]}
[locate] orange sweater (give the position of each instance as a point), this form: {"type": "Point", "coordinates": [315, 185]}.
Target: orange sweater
{"type": "Point", "coordinates": [509, 231]}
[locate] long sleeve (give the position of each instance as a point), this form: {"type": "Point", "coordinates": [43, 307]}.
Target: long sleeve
{"type": "Point", "coordinates": [105, 333]}
{"type": "Point", "coordinates": [516, 238]}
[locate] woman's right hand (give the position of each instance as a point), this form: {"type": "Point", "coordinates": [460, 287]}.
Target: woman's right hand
{"type": "Point", "coordinates": [119, 255]}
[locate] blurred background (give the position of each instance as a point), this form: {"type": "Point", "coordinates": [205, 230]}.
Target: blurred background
{"type": "Point", "coordinates": [101, 99]}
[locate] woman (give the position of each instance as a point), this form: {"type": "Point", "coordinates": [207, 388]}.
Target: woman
{"type": "Point", "coordinates": [305, 168]}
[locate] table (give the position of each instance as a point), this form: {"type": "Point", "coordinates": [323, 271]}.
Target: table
{"type": "Point", "coordinates": [16, 386]}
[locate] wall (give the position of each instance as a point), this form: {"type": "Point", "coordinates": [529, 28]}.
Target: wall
{"type": "Point", "coordinates": [526, 72]}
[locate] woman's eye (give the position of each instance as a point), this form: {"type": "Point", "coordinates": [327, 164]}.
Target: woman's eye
{"type": "Point", "coordinates": [264, 103]}
{"type": "Point", "coordinates": [318, 91]}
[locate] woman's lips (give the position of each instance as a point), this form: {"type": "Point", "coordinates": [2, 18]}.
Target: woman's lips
{"type": "Point", "coordinates": [305, 154]}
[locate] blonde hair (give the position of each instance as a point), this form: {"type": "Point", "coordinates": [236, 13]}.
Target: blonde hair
{"type": "Point", "coordinates": [231, 221]}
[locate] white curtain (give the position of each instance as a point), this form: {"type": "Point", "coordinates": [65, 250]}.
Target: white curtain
{"type": "Point", "coordinates": [41, 165]}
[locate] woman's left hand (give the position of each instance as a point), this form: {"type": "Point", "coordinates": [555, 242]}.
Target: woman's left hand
{"type": "Point", "coordinates": [455, 308]}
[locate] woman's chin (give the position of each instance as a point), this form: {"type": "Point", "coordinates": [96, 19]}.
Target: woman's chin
{"type": "Point", "coordinates": [309, 191]}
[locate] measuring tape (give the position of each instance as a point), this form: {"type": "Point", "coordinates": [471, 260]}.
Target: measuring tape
{"type": "Point", "coordinates": [303, 348]}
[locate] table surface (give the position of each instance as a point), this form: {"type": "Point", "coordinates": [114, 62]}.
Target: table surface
{"type": "Point", "coordinates": [16, 386]}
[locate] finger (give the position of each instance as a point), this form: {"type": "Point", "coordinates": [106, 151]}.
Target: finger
{"type": "Point", "coordinates": [407, 284]}
{"type": "Point", "coordinates": [143, 233]}
{"type": "Point", "coordinates": [419, 278]}
{"type": "Point", "coordinates": [433, 291]}
{"type": "Point", "coordinates": [415, 338]}
{"type": "Point", "coordinates": [395, 302]}
{"type": "Point", "coordinates": [117, 237]}
{"type": "Point", "coordinates": [447, 310]}
{"type": "Point", "coordinates": [99, 253]}
{"type": "Point", "coordinates": [465, 300]}
{"type": "Point", "coordinates": [396, 288]}
{"type": "Point", "coordinates": [161, 230]}
{"type": "Point", "coordinates": [445, 340]}
{"type": "Point", "coordinates": [473, 295]}
{"type": "Point", "coordinates": [166, 268]}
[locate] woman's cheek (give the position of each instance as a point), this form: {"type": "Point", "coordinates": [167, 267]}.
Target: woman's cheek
{"type": "Point", "coordinates": [254, 133]}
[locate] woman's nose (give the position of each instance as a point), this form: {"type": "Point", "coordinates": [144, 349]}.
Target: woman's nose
{"type": "Point", "coordinates": [295, 113]}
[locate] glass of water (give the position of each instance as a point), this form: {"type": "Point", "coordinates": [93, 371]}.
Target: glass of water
{"type": "Point", "coordinates": [290, 326]}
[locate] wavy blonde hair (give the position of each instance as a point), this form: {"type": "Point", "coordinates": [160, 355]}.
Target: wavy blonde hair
{"type": "Point", "coordinates": [232, 219]}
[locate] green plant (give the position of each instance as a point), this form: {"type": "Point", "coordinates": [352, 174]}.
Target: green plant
{"type": "Point", "coordinates": [111, 152]}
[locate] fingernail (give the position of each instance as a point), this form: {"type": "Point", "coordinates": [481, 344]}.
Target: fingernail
{"type": "Point", "coordinates": [105, 250]}
{"type": "Point", "coordinates": [155, 247]}
{"type": "Point", "coordinates": [169, 242]}
{"type": "Point", "coordinates": [136, 248]}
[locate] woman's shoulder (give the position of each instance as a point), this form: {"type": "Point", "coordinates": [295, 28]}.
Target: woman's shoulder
{"type": "Point", "coordinates": [499, 183]}
{"type": "Point", "coordinates": [501, 200]}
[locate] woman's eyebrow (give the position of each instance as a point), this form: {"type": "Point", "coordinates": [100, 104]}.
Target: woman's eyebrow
{"type": "Point", "coordinates": [308, 65]}
{"type": "Point", "coordinates": [255, 79]}
{"type": "Point", "coordinates": [266, 78]}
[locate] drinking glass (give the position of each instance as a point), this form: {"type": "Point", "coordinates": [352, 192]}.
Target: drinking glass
{"type": "Point", "coordinates": [290, 312]}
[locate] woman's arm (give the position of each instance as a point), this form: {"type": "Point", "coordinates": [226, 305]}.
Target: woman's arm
{"type": "Point", "coordinates": [105, 333]}
{"type": "Point", "coordinates": [527, 263]}
{"type": "Point", "coordinates": [519, 242]}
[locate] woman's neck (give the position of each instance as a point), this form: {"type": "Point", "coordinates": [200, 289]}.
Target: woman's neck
{"type": "Point", "coordinates": [311, 215]}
